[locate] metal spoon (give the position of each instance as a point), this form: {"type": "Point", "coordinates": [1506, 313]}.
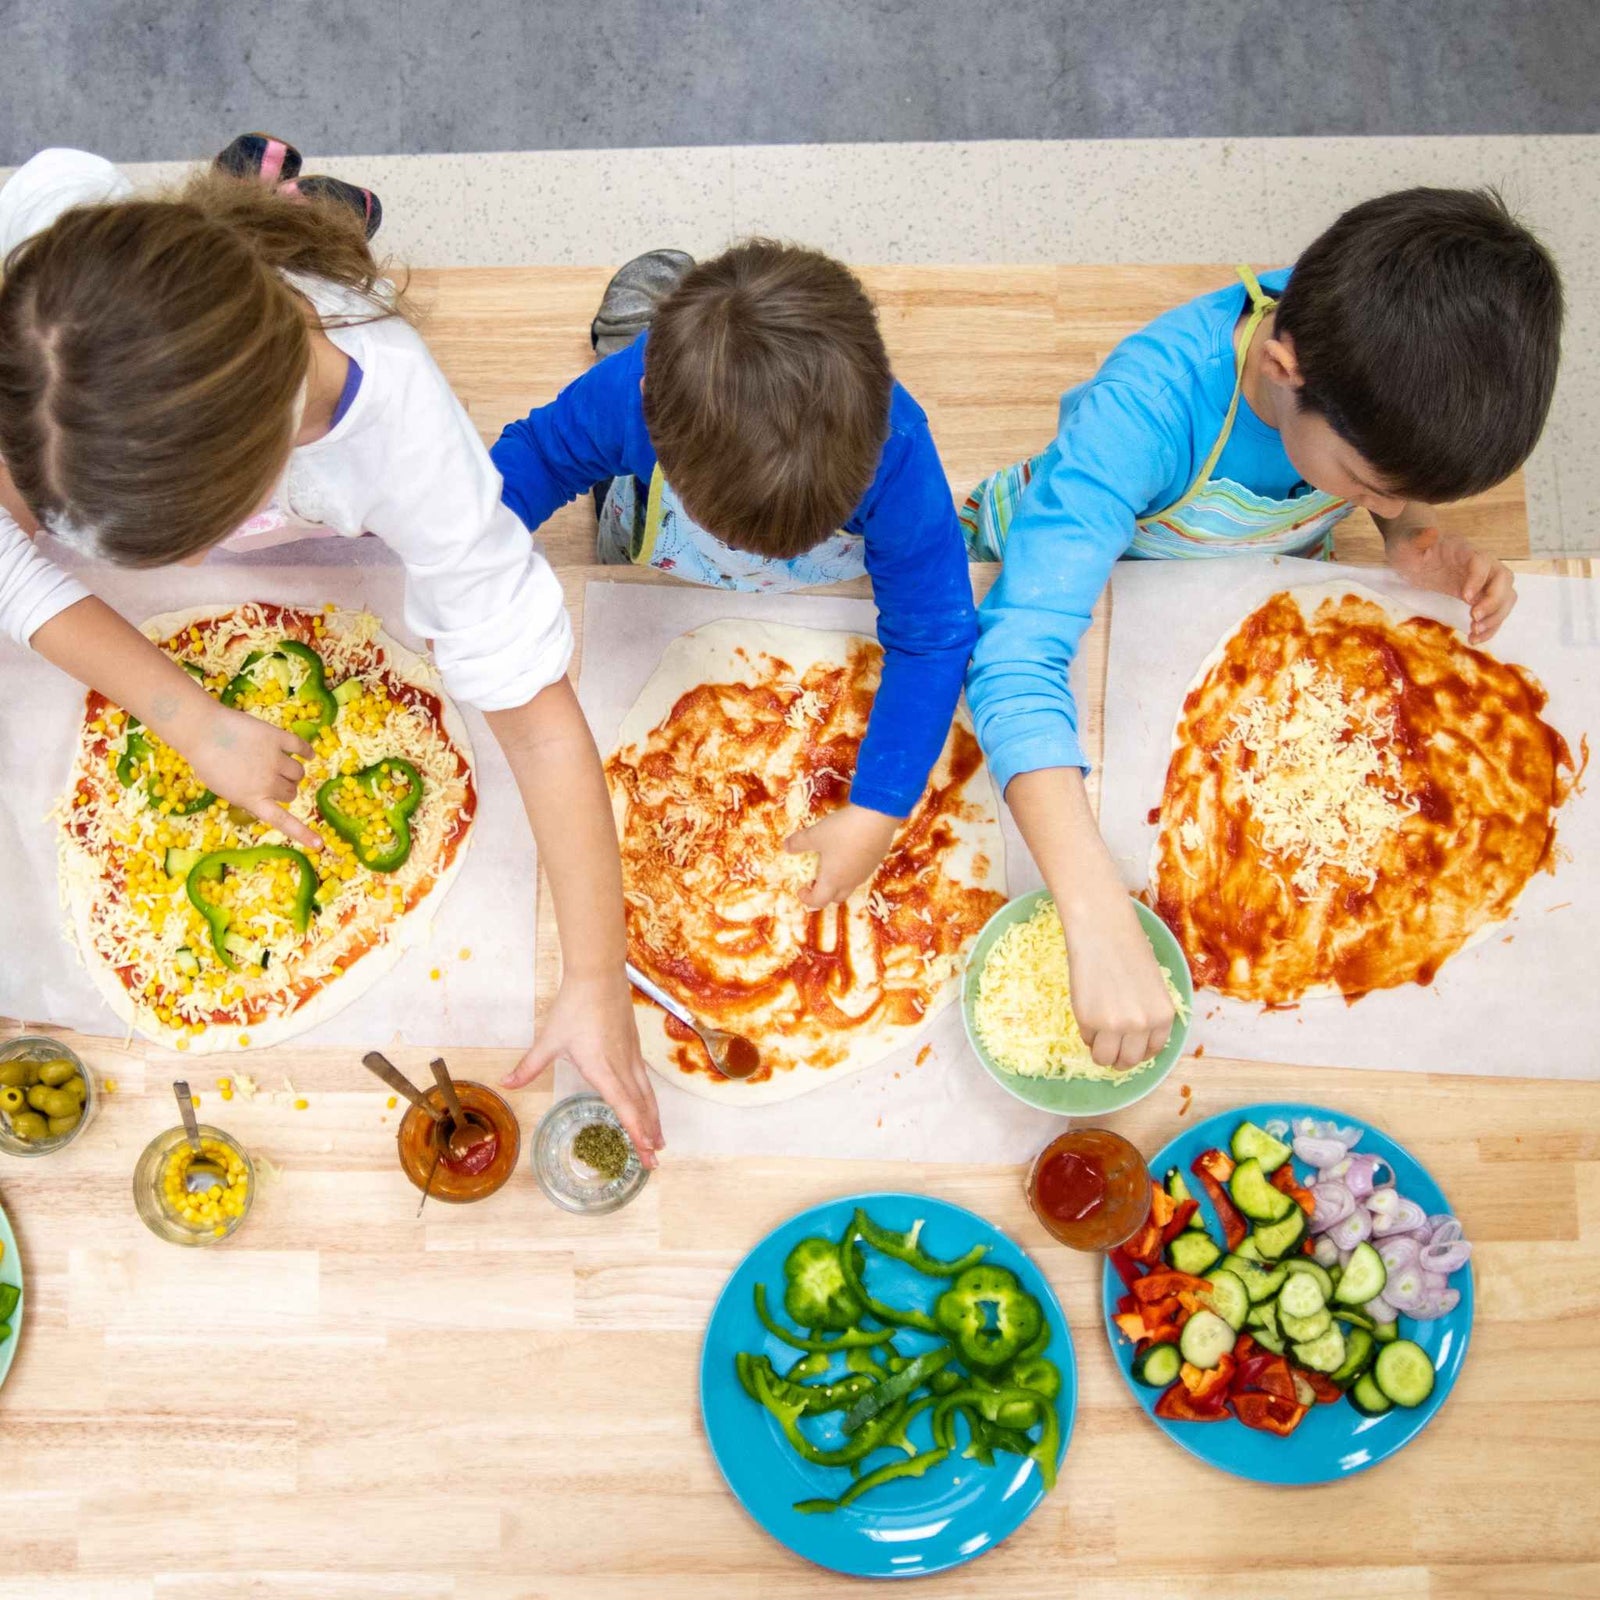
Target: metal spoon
{"type": "Point", "coordinates": [204, 1174]}
{"type": "Point", "coordinates": [384, 1068]}
{"type": "Point", "coordinates": [731, 1054]}
{"type": "Point", "coordinates": [465, 1134]}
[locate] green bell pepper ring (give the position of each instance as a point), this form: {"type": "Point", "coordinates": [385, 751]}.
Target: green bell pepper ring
{"type": "Point", "coordinates": [910, 1317]}
{"type": "Point", "coordinates": [817, 1293]}
{"type": "Point", "coordinates": [213, 868]}
{"type": "Point", "coordinates": [904, 1247]}
{"type": "Point", "coordinates": [851, 1338]}
{"type": "Point", "coordinates": [136, 757]}
{"type": "Point", "coordinates": [914, 1467]}
{"type": "Point", "coordinates": [1036, 1373]}
{"type": "Point", "coordinates": [899, 1386]}
{"type": "Point", "coordinates": [989, 1317]}
{"type": "Point", "coordinates": [371, 813]}
{"type": "Point", "coordinates": [312, 696]}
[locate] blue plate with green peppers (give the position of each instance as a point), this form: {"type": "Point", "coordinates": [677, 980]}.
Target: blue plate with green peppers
{"type": "Point", "coordinates": [10, 1295]}
{"type": "Point", "coordinates": [888, 1385]}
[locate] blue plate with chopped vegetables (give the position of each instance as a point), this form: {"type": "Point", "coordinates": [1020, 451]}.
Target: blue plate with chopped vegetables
{"type": "Point", "coordinates": [888, 1385]}
{"type": "Point", "coordinates": [1298, 1305]}
{"type": "Point", "coordinates": [10, 1295]}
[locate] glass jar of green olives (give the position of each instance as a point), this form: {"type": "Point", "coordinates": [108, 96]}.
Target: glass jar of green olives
{"type": "Point", "coordinates": [47, 1096]}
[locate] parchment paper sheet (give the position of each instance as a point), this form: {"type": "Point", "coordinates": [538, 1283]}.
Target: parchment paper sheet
{"type": "Point", "coordinates": [486, 999]}
{"type": "Point", "coordinates": [1526, 1002]}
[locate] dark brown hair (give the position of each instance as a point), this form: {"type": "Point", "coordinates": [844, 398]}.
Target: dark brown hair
{"type": "Point", "coordinates": [151, 352]}
{"type": "Point", "coordinates": [1427, 325]}
{"type": "Point", "coordinates": [766, 393]}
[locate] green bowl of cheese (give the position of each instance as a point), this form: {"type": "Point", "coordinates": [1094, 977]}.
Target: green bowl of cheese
{"type": "Point", "coordinates": [1025, 1010]}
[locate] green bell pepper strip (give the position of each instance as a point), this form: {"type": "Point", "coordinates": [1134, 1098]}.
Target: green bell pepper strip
{"type": "Point", "coordinates": [813, 1365]}
{"type": "Point", "coordinates": [389, 857]}
{"type": "Point", "coordinates": [988, 1405]}
{"type": "Point", "coordinates": [136, 753]}
{"type": "Point", "coordinates": [899, 1434]}
{"type": "Point", "coordinates": [900, 1386]}
{"type": "Point", "coordinates": [913, 1467]}
{"type": "Point", "coordinates": [1036, 1373]}
{"type": "Point", "coordinates": [904, 1247]}
{"type": "Point", "coordinates": [910, 1317]}
{"type": "Point", "coordinates": [214, 867]}
{"type": "Point", "coordinates": [313, 693]}
{"type": "Point", "coordinates": [788, 1407]}
{"type": "Point", "coordinates": [815, 1399]}
{"type": "Point", "coordinates": [851, 1338]}
{"type": "Point", "coordinates": [989, 1317]}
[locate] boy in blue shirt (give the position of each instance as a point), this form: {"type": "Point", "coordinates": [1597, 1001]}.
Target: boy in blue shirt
{"type": "Point", "coordinates": [758, 440]}
{"type": "Point", "coordinates": [1407, 359]}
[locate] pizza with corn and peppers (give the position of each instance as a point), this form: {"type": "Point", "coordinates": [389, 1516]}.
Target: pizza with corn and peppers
{"type": "Point", "coordinates": [745, 733]}
{"type": "Point", "coordinates": [203, 928]}
{"type": "Point", "coordinates": [1354, 795]}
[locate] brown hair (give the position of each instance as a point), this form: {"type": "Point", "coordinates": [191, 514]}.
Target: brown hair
{"type": "Point", "coordinates": [151, 352]}
{"type": "Point", "coordinates": [766, 393]}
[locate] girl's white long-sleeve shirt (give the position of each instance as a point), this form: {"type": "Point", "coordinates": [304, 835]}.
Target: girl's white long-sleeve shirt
{"type": "Point", "coordinates": [404, 462]}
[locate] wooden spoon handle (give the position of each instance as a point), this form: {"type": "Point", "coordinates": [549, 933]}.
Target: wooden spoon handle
{"type": "Point", "coordinates": [385, 1069]}
{"type": "Point", "coordinates": [441, 1076]}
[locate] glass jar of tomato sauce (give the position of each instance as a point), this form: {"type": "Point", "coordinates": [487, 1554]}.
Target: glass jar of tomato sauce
{"type": "Point", "coordinates": [1090, 1188]}
{"type": "Point", "coordinates": [482, 1169]}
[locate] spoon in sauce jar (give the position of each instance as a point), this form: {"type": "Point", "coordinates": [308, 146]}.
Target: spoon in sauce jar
{"type": "Point", "coordinates": [731, 1054]}
{"type": "Point", "coordinates": [465, 1133]}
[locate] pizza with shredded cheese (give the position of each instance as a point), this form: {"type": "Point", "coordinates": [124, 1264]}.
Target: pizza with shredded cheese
{"type": "Point", "coordinates": [1354, 795]}
{"type": "Point", "coordinates": [745, 734]}
{"type": "Point", "coordinates": [205, 929]}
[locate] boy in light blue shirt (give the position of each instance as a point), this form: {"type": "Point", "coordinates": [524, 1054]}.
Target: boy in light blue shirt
{"type": "Point", "coordinates": [1407, 360]}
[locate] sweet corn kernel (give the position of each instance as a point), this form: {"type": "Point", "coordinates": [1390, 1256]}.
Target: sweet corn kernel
{"type": "Point", "coordinates": [301, 1105]}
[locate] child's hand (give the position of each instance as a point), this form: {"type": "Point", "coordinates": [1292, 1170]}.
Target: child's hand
{"type": "Point", "coordinates": [251, 764]}
{"type": "Point", "coordinates": [591, 1024]}
{"type": "Point", "coordinates": [1449, 564]}
{"type": "Point", "coordinates": [850, 843]}
{"type": "Point", "coordinates": [1118, 996]}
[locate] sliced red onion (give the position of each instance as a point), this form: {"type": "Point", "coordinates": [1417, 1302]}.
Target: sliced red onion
{"type": "Point", "coordinates": [1383, 1203]}
{"type": "Point", "coordinates": [1433, 1282]}
{"type": "Point", "coordinates": [1447, 1256]}
{"type": "Point", "coordinates": [1438, 1303]}
{"type": "Point", "coordinates": [1361, 1174]}
{"type": "Point", "coordinates": [1443, 1228]}
{"type": "Point", "coordinates": [1406, 1291]}
{"type": "Point", "coordinates": [1379, 1309]}
{"type": "Point", "coordinates": [1326, 1253]}
{"type": "Point", "coordinates": [1399, 1253]}
{"type": "Point", "coordinates": [1344, 1254]}
{"type": "Point", "coordinates": [1320, 1153]}
{"type": "Point", "coordinates": [1353, 1230]}
{"type": "Point", "coordinates": [1408, 1217]}
{"type": "Point", "coordinates": [1334, 1203]}
{"type": "Point", "coordinates": [1278, 1127]}
{"type": "Point", "coordinates": [1311, 1128]}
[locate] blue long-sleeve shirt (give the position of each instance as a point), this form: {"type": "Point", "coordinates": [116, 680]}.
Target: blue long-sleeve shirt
{"type": "Point", "coordinates": [914, 553]}
{"type": "Point", "coordinates": [1131, 441]}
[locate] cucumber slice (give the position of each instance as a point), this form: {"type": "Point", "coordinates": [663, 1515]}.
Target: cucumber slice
{"type": "Point", "coordinates": [1279, 1239]}
{"type": "Point", "coordinates": [344, 693]}
{"type": "Point", "coordinates": [1247, 1249]}
{"type": "Point", "coordinates": [1251, 1142]}
{"type": "Point", "coordinates": [1303, 1330]}
{"type": "Point", "coordinates": [246, 950]}
{"type": "Point", "coordinates": [1206, 1339]}
{"type": "Point", "coordinates": [1158, 1366]}
{"type": "Point", "coordinates": [187, 962]}
{"type": "Point", "coordinates": [1359, 1346]}
{"type": "Point", "coordinates": [176, 863]}
{"type": "Point", "coordinates": [1323, 1354]}
{"type": "Point", "coordinates": [1261, 1282]}
{"type": "Point", "coordinates": [1312, 1270]}
{"type": "Point", "coordinates": [1269, 1339]}
{"type": "Point", "coordinates": [1255, 1197]}
{"type": "Point", "coordinates": [1363, 1277]}
{"type": "Point", "coordinates": [1264, 1315]}
{"type": "Point", "coordinates": [1404, 1372]}
{"type": "Point", "coordinates": [1386, 1332]}
{"type": "Point", "coordinates": [1194, 1253]}
{"type": "Point", "coordinates": [1227, 1297]}
{"type": "Point", "coordinates": [1352, 1319]}
{"type": "Point", "coordinates": [1368, 1398]}
{"type": "Point", "coordinates": [1300, 1296]}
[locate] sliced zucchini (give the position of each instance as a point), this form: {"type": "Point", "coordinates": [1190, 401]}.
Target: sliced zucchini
{"type": "Point", "coordinates": [1251, 1142]}
{"type": "Point", "coordinates": [176, 863]}
{"type": "Point", "coordinates": [1227, 1297]}
{"type": "Point", "coordinates": [1304, 1330]}
{"type": "Point", "coordinates": [1261, 1282]}
{"type": "Point", "coordinates": [1205, 1340]}
{"type": "Point", "coordinates": [1268, 1339]}
{"type": "Point", "coordinates": [1404, 1372]}
{"type": "Point", "coordinates": [1323, 1354]}
{"type": "Point", "coordinates": [1255, 1197]}
{"type": "Point", "coordinates": [1358, 1350]}
{"type": "Point", "coordinates": [1300, 1296]}
{"type": "Point", "coordinates": [1158, 1366]}
{"type": "Point", "coordinates": [1386, 1332]}
{"type": "Point", "coordinates": [1368, 1398]}
{"type": "Point", "coordinates": [1194, 1253]}
{"type": "Point", "coordinates": [1363, 1277]}
{"type": "Point", "coordinates": [1312, 1270]}
{"type": "Point", "coordinates": [1279, 1239]}
{"type": "Point", "coordinates": [187, 962]}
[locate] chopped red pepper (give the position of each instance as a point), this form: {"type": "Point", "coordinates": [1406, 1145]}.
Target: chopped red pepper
{"type": "Point", "coordinates": [1162, 1205]}
{"type": "Point", "coordinates": [1160, 1285]}
{"type": "Point", "coordinates": [1268, 1413]}
{"type": "Point", "coordinates": [1178, 1405]}
{"type": "Point", "coordinates": [1123, 1267]}
{"type": "Point", "coordinates": [1207, 1386]}
{"type": "Point", "coordinates": [1145, 1246]}
{"type": "Point", "coordinates": [1216, 1163]}
{"type": "Point", "coordinates": [1321, 1385]}
{"type": "Point", "coordinates": [1268, 1374]}
{"type": "Point", "coordinates": [1130, 1323]}
{"type": "Point", "coordinates": [1127, 1303]}
{"type": "Point", "coordinates": [1285, 1182]}
{"type": "Point", "coordinates": [1182, 1214]}
{"type": "Point", "coordinates": [1243, 1346]}
{"type": "Point", "coordinates": [1234, 1227]}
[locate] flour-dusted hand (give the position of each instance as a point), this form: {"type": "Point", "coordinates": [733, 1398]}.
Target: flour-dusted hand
{"type": "Point", "coordinates": [591, 1024]}
{"type": "Point", "coordinates": [250, 763]}
{"type": "Point", "coordinates": [849, 843]}
{"type": "Point", "coordinates": [1445, 562]}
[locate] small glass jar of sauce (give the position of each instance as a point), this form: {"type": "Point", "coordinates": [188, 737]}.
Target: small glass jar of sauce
{"type": "Point", "coordinates": [1090, 1188]}
{"type": "Point", "coordinates": [478, 1172]}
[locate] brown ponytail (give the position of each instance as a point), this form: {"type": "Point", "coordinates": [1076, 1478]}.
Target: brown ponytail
{"type": "Point", "coordinates": [151, 353]}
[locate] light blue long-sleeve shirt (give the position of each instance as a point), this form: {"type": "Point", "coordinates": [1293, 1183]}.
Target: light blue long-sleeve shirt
{"type": "Point", "coordinates": [1130, 443]}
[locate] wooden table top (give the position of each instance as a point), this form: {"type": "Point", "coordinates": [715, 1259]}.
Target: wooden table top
{"type": "Point", "coordinates": [281, 1418]}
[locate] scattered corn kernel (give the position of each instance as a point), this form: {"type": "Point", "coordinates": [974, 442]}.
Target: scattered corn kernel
{"type": "Point", "coordinates": [301, 1105]}
{"type": "Point", "coordinates": [434, 974]}
{"type": "Point", "coordinates": [392, 1102]}
{"type": "Point", "coordinates": [463, 954]}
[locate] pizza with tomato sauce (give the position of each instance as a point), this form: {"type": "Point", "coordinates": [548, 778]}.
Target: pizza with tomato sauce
{"type": "Point", "coordinates": [206, 930]}
{"type": "Point", "coordinates": [1354, 795]}
{"type": "Point", "coordinates": [744, 734]}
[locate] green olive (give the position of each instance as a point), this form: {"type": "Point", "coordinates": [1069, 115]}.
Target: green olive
{"type": "Point", "coordinates": [55, 1073]}
{"type": "Point", "coordinates": [76, 1087]}
{"type": "Point", "coordinates": [12, 1098]}
{"type": "Point", "coordinates": [18, 1074]}
{"type": "Point", "coordinates": [58, 1103]}
{"type": "Point", "coordinates": [29, 1125]}
{"type": "Point", "coordinates": [65, 1124]}
{"type": "Point", "coordinates": [36, 1096]}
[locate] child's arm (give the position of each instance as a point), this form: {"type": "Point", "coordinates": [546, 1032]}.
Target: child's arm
{"type": "Point", "coordinates": [553, 755]}
{"type": "Point", "coordinates": [1432, 558]}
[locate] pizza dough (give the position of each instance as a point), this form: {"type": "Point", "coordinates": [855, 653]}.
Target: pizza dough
{"type": "Point", "coordinates": [1354, 795]}
{"type": "Point", "coordinates": [129, 941]}
{"type": "Point", "coordinates": [745, 733]}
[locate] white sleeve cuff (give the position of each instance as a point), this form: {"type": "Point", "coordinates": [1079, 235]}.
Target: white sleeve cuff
{"type": "Point", "coordinates": [52, 182]}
